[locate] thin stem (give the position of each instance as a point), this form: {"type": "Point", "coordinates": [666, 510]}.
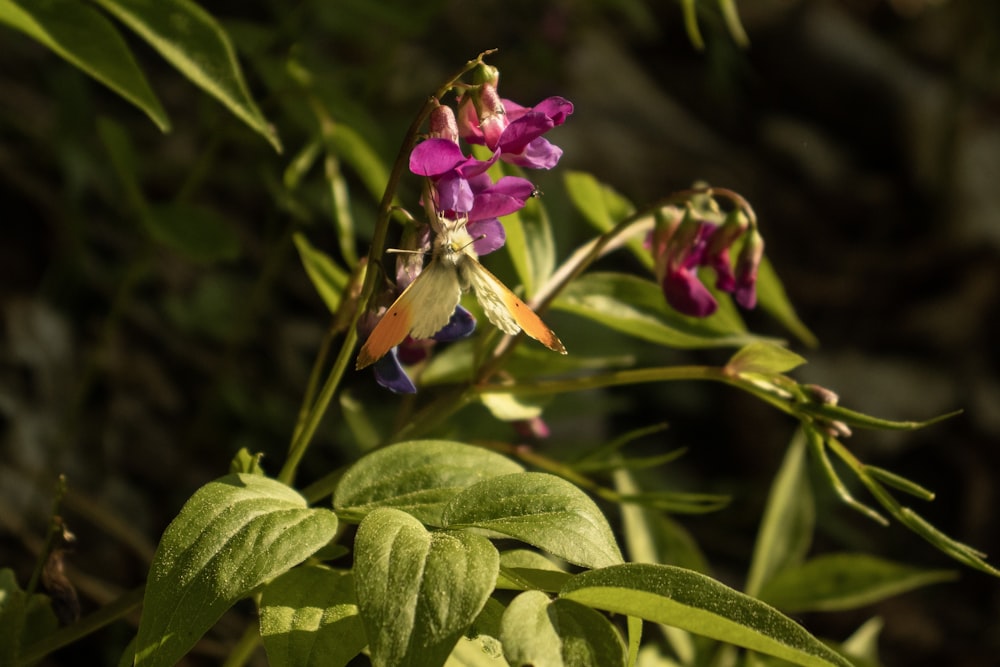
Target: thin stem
{"type": "Point", "coordinates": [87, 625]}
{"type": "Point", "coordinates": [303, 436]}
{"type": "Point", "coordinates": [244, 649]}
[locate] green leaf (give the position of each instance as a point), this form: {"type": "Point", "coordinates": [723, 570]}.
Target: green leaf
{"type": "Point", "coordinates": [521, 569]}
{"type": "Point", "coordinates": [309, 617]}
{"type": "Point", "coordinates": [327, 277]}
{"type": "Point", "coordinates": [530, 245]}
{"type": "Point", "coordinates": [86, 39]}
{"type": "Point", "coordinates": [352, 148]}
{"type": "Point", "coordinates": [772, 298]}
{"type": "Point", "coordinates": [603, 207]}
{"type": "Point", "coordinates": [861, 420]}
{"type": "Point", "coordinates": [542, 510]}
{"type": "Point", "coordinates": [246, 462]}
{"type": "Point", "coordinates": [835, 582]}
{"type": "Point", "coordinates": [764, 357]}
{"type": "Point", "coordinates": [232, 535]}
{"type": "Point", "coordinates": [193, 42]}
{"type": "Point", "coordinates": [558, 633]}
{"type": "Point", "coordinates": [418, 477]}
{"type": "Point", "coordinates": [636, 306]}
{"type": "Point", "coordinates": [418, 591]}
{"type": "Point", "coordinates": [509, 408]}
{"type": "Point", "coordinates": [198, 233]}
{"type": "Point", "coordinates": [12, 602]}
{"type": "Point", "coordinates": [786, 527]}
{"type": "Point", "coordinates": [701, 605]}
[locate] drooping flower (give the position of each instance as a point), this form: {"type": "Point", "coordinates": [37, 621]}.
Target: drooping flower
{"type": "Point", "coordinates": [681, 243]}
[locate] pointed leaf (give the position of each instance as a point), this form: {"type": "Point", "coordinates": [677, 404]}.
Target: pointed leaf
{"type": "Point", "coordinates": [232, 535]}
{"type": "Point", "coordinates": [326, 276]}
{"type": "Point", "coordinates": [193, 42]}
{"type": "Point", "coordinates": [835, 582]}
{"type": "Point", "coordinates": [786, 528]}
{"type": "Point", "coordinates": [530, 245]}
{"type": "Point", "coordinates": [542, 510]}
{"type": "Point", "coordinates": [558, 633]}
{"type": "Point", "coordinates": [418, 591]}
{"type": "Point", "coordinates": [309, 617]}
{"type": "Point", "coordinates": [701, 605]}
{"type": "Point", "coordinates": [636, 306]}
{"type": "Point", "coordinates": [418, 477]}
{"type": "Point", "coordinates": [772, 298]}
{"type": "Point", "coordinates": [764, 357]}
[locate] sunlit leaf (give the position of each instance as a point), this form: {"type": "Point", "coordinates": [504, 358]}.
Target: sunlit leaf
{"type": "Point", "coordinates": [84, 37]}
{"type": "Point", "coordinates": [764, 357]}
{"type": "Point", "coordinates": [542, 510]}
{"type": "Point", "coordinates": [835, 582]}
{"type": "Point", "coordinates": [558, 633]}
{"type": "Point", "coordinates": [232, 535]}
{"type": "Point", "coordinates": [419, 477]}
{"type": "Point", "coordinates": [193, 42]}
{"type": "Point", "coordinates": [636, 306]}
{"type": "Point", "coordinates": [309, 618]}
{"type": "Point", "coordinates": [418, 591]}
{"type": "Point", "coordinates": [701, 605]}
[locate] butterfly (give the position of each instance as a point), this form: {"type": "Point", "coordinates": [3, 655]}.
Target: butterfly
{"type": "Point", "coordinates": [426, 306]}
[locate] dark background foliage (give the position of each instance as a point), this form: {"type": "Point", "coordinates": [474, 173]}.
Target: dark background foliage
{"type": "Point", "coordinates": [865, 134]}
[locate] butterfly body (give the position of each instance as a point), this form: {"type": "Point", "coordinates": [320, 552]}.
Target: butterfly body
{"type": "Point", "coordinates": [426, 306]}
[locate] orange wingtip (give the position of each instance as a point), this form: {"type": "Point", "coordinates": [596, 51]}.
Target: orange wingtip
{"type": "Point", "coordinates": [532, 324]}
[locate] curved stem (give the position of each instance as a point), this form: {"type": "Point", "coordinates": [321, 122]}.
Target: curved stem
{"type": "Point", "coordinates": [304, 433]}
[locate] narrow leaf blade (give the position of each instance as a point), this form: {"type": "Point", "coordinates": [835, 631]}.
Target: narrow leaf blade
{"type": "Point", "coordinates": [83, 37]}
{"type": "Point", "coordinates": [193, 42]}
{"type": "Point", "coordinates": [701, 605]}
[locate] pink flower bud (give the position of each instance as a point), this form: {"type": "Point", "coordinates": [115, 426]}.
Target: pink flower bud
{"type": "Point", "coordinates": [443, 124]}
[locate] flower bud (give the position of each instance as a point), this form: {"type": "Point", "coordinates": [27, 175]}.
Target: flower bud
{"type": "Point", "coordinates": [747, 265]}
{"type": "Point", "coordinates": [443, 124]}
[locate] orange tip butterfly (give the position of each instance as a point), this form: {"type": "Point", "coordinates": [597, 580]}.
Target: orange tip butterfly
{"type": "Point", "coordinates": [426, 306]}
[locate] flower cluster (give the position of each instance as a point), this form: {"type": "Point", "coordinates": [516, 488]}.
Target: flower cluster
{"type": "Point", "coordinates": [682, 241]}
{"type": "Point", "coordinates": [461, 189]}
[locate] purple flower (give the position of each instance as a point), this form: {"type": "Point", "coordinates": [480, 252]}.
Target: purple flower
{"type": "Point", "coordinates": [389, 371]}
{"type": "Point", "coordinates": [680, 244]}
{"type": "Point", "coordinates": [513, 131]}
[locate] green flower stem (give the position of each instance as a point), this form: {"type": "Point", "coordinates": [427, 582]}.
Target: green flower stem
{"type": "Point", "coordinates": [87, 625]}
{"type": "Point", "coordinates": [613, 379]}
{"type": "Point", "coordinates": [307, 426]}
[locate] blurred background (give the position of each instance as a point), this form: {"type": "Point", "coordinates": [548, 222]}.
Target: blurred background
{"type": "Point", "coordinates": [866, 134]}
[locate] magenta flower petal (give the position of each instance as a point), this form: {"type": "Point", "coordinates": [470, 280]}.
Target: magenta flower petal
{"type": "Point", "coordinates": [686, 294]}
{"type": "Point", "coordinates": [539, 154]}
{"type": "Point", "coordinates": [556, 108]}
{"type": "Point", "coordinates": [488, 235]}
{"type": "Point", "coordinates": [454, 194]}
{"type": "Point", "coordinates": [434, 157]}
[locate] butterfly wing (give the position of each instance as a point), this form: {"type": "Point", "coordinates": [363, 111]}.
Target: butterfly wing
{"type": "Point", "coordinates": [504, 309]}
{"type": "Point", "coordinates": [420, 311]}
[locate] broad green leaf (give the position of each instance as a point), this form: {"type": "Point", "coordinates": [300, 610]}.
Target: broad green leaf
{"type": "Point", "coordinates": [764, 357]}
{"type": "Point", "coordinates": [474, 653]}
{"type": "Point", "coordinates": [418, 591]}
{"type": "Point", "coordinates": [636, 306]}
{"type": "Point", "coordinates": [537, 631]}
{"type": "Point", "coordinates": [198, 233]}
{"type": "Point", "coordinates": [231, 536]}
{"type": "Point", "coordinates": [786, 527]}
{"type": "Point", "coordinates": [418, 477]}
{"type": "Point", "coordinates": [701, 605]}
{"type": "Point", "coordinates": [327, 277]}
{"type": "Point", "coordinates": [542, 510]}
{"type": "Point", "coordinates": [772, 298]}
{"type": "Point", "coordinates": [193, 42]}
{"type": "Point", "coordinates": [85, 38]}
{"type": "Point", "coordinates": [835, 582]}
{"type": "Point", "coordinates": [309, 617]}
